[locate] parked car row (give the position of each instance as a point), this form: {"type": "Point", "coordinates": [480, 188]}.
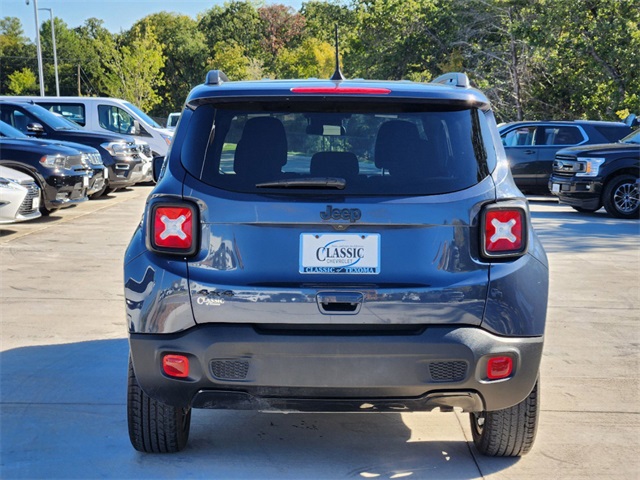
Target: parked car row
{"type": "Point", "coordinates": [586, 164]}
{"type": "Point", "coordinates": [65, 163]}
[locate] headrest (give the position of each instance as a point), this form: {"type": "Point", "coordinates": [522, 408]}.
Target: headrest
{"type": "Point", "coordinates": [262, 149]}
{"type": "Point", "coordinates": [393, 136]}
{"type": "Point", "coordinates": [334, 164]}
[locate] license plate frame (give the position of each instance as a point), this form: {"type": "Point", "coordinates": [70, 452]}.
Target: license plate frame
{"type": "Point", "coordinates": [342, 254]}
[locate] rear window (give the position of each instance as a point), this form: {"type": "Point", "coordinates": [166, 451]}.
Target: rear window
{"type": "Point", "coordinates": [613, 134]}
{"type": "Point", "coordinates": [338, 148]}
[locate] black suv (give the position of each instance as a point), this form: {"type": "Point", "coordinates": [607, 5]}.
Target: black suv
{"type": "Point", "coordinates": [336, 245]}
{"type": "Point", "coordinates": [531, 146]}
{"type": "Point", "coordinates": [589, 177]}
{"type": "Point", "coordinates": [121, 156]}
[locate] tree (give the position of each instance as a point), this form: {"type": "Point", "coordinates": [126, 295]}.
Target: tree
{"type": "Point", "coordinates": [313, 58]}
{"type": "Point", "coordinates": [281, 26]}
{"type": "Point", "coordinates": [591, 50]}
{"type": "Point", "coordinates": [186, 53]}
{"type": "Point", "coordinates": [396, 39]}
{"type": "Point", "coordinates": [16, 52]}
{"type": "Point", "coordinates": [321, 18]}
{"type": "Point", "coordinates": [23, 82]}
{"type": "Point", "coordinates": [237, 22]}
{"type": "Point", "coordinates": [230, 58]}
{"type": "Point", "coordinates": [133, 71]}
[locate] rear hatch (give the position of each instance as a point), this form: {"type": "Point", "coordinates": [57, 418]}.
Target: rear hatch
{"type": "Point", "coordinates": [354, 214]}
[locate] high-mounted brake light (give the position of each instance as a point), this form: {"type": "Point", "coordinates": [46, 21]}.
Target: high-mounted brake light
{"type": "Point", "coordinates": [342, 90]}
{"type": "Point", "coordinates": [504, 231]}
{"type": "Point", "coordinates": [173, 229]}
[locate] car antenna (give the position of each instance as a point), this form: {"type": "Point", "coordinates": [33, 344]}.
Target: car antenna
{"type": "Point", "coordinates": [337, 75]}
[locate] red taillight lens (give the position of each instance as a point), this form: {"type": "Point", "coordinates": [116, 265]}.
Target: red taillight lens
{"type": "Point", "coordinates": [504, 232]}
{"type": "Point", "coordinates": [172, 229]}
{"type": "Point", "coordinates": [176, 366]}
{"type": "Point", "coordinates": [499, 367]}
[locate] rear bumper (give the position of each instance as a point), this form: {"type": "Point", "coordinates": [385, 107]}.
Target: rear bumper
{"type": "Point", "coordinates": [244, 367]}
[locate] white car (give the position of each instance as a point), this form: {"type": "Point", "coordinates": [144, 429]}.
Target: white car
{"type": "Point", "coordinates": [112, 115]}
{"type": "Point", "coordinates": [19, 196]}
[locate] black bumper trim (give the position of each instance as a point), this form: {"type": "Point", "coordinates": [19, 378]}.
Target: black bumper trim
{"type": "Point", "coordinates": [446, 401]}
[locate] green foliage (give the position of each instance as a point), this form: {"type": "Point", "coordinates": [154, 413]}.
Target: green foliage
{"type": "Point", "coordinates": [16, 53]}
{"type": "Point", "coordinates": [133, 70]}
{"type": "Point", "coordinates": [23, 82]}
{"type": "Point", "coordinates": [556, 59]}
{"type": "Point", "coordinates": [237, 22]}
{"type": "Point", "coordinates": [186, 53]}
{"type": "Point", "coordinates": [230, 58]}
{"type": "Point", "coordinates": [312, 59]}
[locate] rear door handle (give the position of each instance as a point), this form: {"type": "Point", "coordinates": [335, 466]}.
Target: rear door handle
{"type": "Point", "coordinates": [339, 303]}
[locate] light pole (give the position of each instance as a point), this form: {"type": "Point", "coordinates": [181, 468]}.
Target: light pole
{"type": "Point", "coordinates": [40, 74]}
{"type": "Point", "coordinates": [55, 55]}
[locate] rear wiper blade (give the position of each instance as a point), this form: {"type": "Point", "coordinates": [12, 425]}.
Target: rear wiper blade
{"type": "Point", "coordinates": [313, 182]}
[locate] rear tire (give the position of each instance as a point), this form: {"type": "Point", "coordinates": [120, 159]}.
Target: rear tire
{"type": "Point", "coordinates": [509, 432]}
{"type": "Point", "coordinates": [155, 427]}
{"type": "Point", "coordinates": [621, 197]}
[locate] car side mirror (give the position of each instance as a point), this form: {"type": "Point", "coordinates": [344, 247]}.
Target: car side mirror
{"type": "Point", "coordinates": [156, 167]}
{"type": "Point", "coordinates": [35, 128]}
{"type": "Point", "coordinates": [135, 128]}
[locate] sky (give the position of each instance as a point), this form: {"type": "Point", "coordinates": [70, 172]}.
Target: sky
{"type": "Point", "coordinates": [117, 15]}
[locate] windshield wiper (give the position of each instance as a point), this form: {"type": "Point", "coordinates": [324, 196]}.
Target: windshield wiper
{"type": "Point", "coordinates": [313, 182]}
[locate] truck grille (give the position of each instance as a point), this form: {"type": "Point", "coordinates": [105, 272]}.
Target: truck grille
{"type": "Point", "coordinates": [73, 160]}
{"type": "Point", "coordinates": [448, 371]}
{"type": "Point", "coordinates": [566, 166]}
{"type": "Point", "coordinates": [27, 204]}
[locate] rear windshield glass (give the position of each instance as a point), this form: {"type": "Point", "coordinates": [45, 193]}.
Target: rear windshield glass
{"type": "Point", "coordinates": [355, 149]}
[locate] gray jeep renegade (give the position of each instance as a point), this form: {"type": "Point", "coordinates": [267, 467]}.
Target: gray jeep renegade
{"type": "Point", "coordinates": [336, 246]}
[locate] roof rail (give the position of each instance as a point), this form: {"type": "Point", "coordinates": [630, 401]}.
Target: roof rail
{"type": "Point", "coordinates": [455, 79]}
{"type": "Point", "coordinates": [215, 77]}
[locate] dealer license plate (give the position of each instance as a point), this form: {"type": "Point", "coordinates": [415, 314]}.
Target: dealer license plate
{"type": "Point", "coordinates": [555, 187]}
{"type": "Point", "coordinates": [352, 253]}
{"type": "Point", "coordinates": [35, 203]}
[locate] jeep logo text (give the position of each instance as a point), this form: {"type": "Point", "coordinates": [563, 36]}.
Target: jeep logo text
{"type": "Point", "coordinates": [351, 214]}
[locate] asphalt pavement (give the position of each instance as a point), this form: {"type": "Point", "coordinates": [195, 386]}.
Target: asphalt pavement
{"type": "Point", "coordinates": [63, 362]}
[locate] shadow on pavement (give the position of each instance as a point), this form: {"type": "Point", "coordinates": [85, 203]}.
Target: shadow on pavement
{"type": "Point", "coordinates": [574, 232]}
{"type": "Point", "coordinates": [64, 416]}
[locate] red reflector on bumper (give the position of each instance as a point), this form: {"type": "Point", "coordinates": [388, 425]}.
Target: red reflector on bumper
{"type": "Point", "coordinates": [499, 367]}
{"type": "Point", "coordinates": [176, 366]}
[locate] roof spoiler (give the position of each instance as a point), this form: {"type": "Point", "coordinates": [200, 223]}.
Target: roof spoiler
{"type": "Point", "coordinates": [215, 77]}
{"type": "Point", "coordinates": [455, 79]}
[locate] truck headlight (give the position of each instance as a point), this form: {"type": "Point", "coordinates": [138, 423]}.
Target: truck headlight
{"type": "Point", "coordinates": [117, 149]}
{"type": "Point", "coordinates": [590, 167]}
{"type": "Point", "coordinates": [54, 161]}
